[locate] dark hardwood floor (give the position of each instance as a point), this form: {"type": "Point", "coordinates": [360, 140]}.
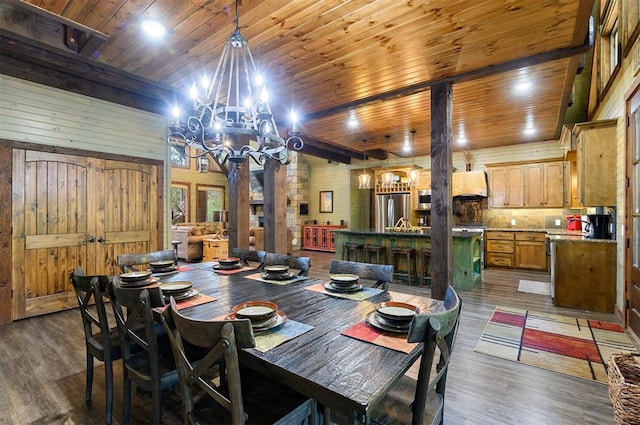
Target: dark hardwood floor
{"type": "Point", "coordinates": [42, 369]}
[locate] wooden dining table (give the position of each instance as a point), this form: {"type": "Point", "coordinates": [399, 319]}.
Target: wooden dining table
{"type": "Point", "coordinates": [343, 374]}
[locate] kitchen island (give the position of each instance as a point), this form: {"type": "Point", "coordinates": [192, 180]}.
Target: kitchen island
{"type": "Point", "coordinates": [466, 250]}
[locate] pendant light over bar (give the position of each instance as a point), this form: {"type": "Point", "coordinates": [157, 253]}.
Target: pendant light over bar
{"type": "Point", "coordinates": [364, 179]}
{"type": "Point", "coordinates": [387, 176]}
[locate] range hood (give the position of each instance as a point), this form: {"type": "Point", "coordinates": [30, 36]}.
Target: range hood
{"type": "Point", "coordinates": [469, 183]}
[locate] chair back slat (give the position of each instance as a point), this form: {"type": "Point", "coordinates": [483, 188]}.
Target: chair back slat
{"type": "Point", "coordinates": [303, 264]}
{"type": "Point", "coordinates": [89, 293]}
{"type": "Point", "coordinates": [247, 255]}
{"type": "Point", "coordinates": [380, 274]}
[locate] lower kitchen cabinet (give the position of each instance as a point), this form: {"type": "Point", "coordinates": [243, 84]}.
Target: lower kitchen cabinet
{"type": "Point", "coordinates": [520, 250]}
{"type": "Point", "coordinates": [531, 251]}
{"type": "Point", "coordinates": [583, 274]}
{"type": "Point", "coordinates": [500, 248]}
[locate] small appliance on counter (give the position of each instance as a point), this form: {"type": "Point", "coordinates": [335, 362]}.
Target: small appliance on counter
{"type": "Point", "coordinates": [574, 222]}
{"type": "Point", "coordinates": [599, 226]}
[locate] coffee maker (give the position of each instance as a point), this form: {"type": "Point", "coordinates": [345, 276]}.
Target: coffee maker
{"type": "Point", "coordinates": [599, 226]}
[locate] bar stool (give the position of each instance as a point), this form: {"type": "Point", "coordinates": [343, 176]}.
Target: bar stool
{"type": "Point", "coordinates": [349, 249]}
{"type": "Point", "coordinates": [379, 250]}
{"type": "Point", "coordinates": [426, 266]}
{"type": "Point", "coordinates": [409, 253]}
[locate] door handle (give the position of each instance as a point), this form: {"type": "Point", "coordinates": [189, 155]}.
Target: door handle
{"type": "Point", "coordinates": [91, 239]}
{"type": "Point", "coordinates": [101, 239]}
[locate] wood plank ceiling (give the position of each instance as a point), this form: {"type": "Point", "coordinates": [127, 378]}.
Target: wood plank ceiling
{"type": "Point", "coordinates": [372, 59]}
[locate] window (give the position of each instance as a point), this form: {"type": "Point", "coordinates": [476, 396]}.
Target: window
{"type": "Point", "coordinates": [614, 49]}
{"type": "Point", "coordinates": [208, 200]}
{"type": "Point", "coordinates": [179, 203]}
{"type": "Point", "coordinates": [179, 157]}
{"type": "Point", "coordinates": [608, 46]}
{"type": "Point", "coordinates": [630, 24]}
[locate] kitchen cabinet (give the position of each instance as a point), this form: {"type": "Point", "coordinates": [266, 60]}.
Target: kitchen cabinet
{"type": "Point", "coordinates": [530, 250]}
{"type": "Point", "coordinates": [547, 185]}
{"type": "Point", "coordinates": [506, 186]}
{"type": "Point", "coordinates": [319, 237]}
{"type": "Point", "coordinates": [520, 250]}
{"type": "Point", "coordinates": [583, 274]}
{"type": "Point", "coordinates": [596, 163]}
{"type": "Point", "coordinates": [213, 249]}
{"type": "Point", "coordinates": [500, 248]}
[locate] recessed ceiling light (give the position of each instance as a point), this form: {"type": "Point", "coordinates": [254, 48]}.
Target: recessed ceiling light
{"type": "Point", "coordinates": [529, 131]}
{"type": "Point", "coordinates": [462, 140]}
{"type": "Point", "coordinates": [523, 85]}
{"type": "Point", "coordinates": [153, 28]}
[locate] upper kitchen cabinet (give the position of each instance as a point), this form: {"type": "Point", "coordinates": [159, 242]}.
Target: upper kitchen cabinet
{"type": "Point", "coordinates": [530, 185]}
{"type": "Point", "coordinates": [595, 145]}
{"type": "Point", "coordinates": [547, 185]}
{"type": "Point", "coordinates": [506, 186]}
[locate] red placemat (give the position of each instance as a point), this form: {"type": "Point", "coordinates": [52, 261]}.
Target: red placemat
{"type": "Point", "coordinates": [197, 300]}
{"type": "Point", "coordinates": [367, 333]}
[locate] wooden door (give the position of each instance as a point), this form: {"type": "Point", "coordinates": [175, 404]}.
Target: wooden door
{"type": "Point", "coordinates": [632, 259]}
{"type": "Point", "coordinates": [534, 188]}
{"type": "Point", "coordinates": [71, 211]}
{"type": "Point", "coordinates": [497, 187]}
{"type": "Point", "coordinates": [553, 183]}
{"type": "Point", "coordinates": [515, 184]}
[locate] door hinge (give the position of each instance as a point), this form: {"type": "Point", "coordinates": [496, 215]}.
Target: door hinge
{"type": "Point", "coordinates": [628, 243]}
{"type": "Point", "coordinates": [11, 293]}
{"type": "Point", "coordinates": [628, 120]}
{"type": "Point", "coordinates": [628, 304]}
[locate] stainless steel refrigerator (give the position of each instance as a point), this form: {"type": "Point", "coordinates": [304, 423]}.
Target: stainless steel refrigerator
{"type": "Point", "coordinates": [389, 209]}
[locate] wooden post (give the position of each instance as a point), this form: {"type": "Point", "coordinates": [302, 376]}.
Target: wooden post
{"type": "Point", "coordinates": [6, 158]}
{"type": "Point", "coordinates": [275, 207]}
{"type": "Point", "coordinates": [441, 164]}
{"type": "Point", "coordinates": [239, 205]}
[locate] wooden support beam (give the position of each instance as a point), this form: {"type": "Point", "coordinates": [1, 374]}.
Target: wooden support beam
{"type": "Point", "coordinates": [441, 200]}
{"type": "Point", "coordinates": [238, 226]}
{"type": "Point", "coordinates": [275, 207]}
{"type": "Point", "coordinates": [5, 234]}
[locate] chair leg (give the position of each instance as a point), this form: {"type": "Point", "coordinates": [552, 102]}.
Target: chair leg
{"type": "Point", "coordinates": [108, 380]}
{"type": "Point", "coordinates": [156, 399]}
{"type": "Point", "coordinates": [126, 408]}
{"type": "Point", "coordinates": [89, 377]}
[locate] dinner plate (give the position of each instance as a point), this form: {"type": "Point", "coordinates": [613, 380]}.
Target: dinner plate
{"type": "Point", "coordinates": [176, 287]}
{"type": "Point", "coordinates": [343, 289]}
{"type": "Point", "coordinates": [344, 279]}
{"type": "Point", "coordinates": [396, 310]}
{"type": "Point", "coordinates": [276, 270]}
{"type": "Point", "coordinates": [193, 292]}
{"type": "Point", "coordinates": [161, 264]}
{"type": "Point", "coordinates": [133, 276]}
{"type": "Point", "coordinates": [164, 269]}
{"type": "Point", "coordinates": [280, 318]}
{"type": "Point", "coordinates": [139, 283]}
{"type": "Point", "coordinates": [378, 322]}
{"type": "Point", "coordinates": [228, 261]}
{"type": "Point", "coordinates": [283, 276]}
{"type": "Point", "coordinates": [256, 311]}
{"type": "Point", "coordinates": [227, 267]}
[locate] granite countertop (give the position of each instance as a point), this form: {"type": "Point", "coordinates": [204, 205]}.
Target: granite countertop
{"type": "Point", "coordinates": [555, 235]}
{"type": "Point", "coordinates": [420, 232]}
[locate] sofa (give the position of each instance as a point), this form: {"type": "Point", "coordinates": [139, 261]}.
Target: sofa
{"type": "Point", "coordinates": [256, 239]}
{"type": "Point", "coordinates": [191, 235]}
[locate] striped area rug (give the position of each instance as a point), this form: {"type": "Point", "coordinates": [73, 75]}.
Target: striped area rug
{"type": "Point", "coordinates": [569, 345]}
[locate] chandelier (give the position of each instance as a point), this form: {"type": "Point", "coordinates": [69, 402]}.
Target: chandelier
{"type": "Point", "coordinates": [413, 173]}
{"type": "Point", "coordinates": [364, 179]}
{"type": "Point", "coordinates": [387, 176]}
{"type": "Point", "coordinates": [233, 110]}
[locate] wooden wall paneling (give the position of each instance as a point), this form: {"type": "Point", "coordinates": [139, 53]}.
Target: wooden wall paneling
{"type": "Point", "coordinates": [5, 234]}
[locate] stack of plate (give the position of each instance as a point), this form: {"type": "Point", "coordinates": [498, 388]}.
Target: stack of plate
{"type": "Point", "coordinates": [276, 273]}
{"type": "Point", "coordinates": [179, 290]}
{"type": "Point", "coordinates": [163, 266]}
{"type": "Point", "coordinates": [228, 263]}
{"type": "Point", "coordinates": [393, 316]}
{"type": "Point", "coordinates": [263, 315]}
{"type": "Point", "coordinates": [136, 279]}
{"type": "Point", "coordinates": [343, 283]}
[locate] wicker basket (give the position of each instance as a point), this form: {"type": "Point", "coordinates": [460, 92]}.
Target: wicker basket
{"type": "Point", "coordinates": [624, 388]}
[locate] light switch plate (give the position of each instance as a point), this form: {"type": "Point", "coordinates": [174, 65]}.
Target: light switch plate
{"type": "Point", "coordinates": [513, 221]}
{"type": "Point", "coordinates": [557, 222]}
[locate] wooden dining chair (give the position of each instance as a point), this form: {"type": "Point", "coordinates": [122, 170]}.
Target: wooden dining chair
{"type": "Point", "coordinates": [245, 396]}
{"type": "Point", "coordinates": [422, 401]}
{"type": "Point", "coordinates": [248, 255]}
{"type": "Point", "coordinates": [133, 262]}
{"type": "Point", "coordinates": [379, 274]}
{"type": "Point", "coordinates": [302, 264]}
{"type": "Point", "coordinates": [101, 341]}
{"type": "Point", "coordinates": [152, 369]}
